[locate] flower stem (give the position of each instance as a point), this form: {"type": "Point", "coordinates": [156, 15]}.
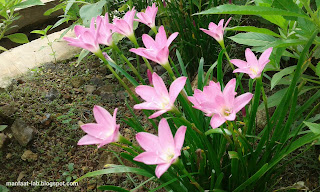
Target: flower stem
{"type": "Point", "coordinates": [116, 48]}
{"type": "Point", "coordinates": [180, 165]}
{"type": "Point", "coordinates": [134, 41]}
{"type": "Point", "coordinates": [100, 55]}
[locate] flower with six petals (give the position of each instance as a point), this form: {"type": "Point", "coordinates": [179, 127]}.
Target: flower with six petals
{"type": "Point", "coordinates": [216, 31]}
{"type": "Point", "coordinates": [105, 32]}
{"type": "Point", "coordinates": [156, 50]}
{"type": "Point", "coordinates": [87, 38]}
{"type": "Point", "coordinates": [253, 67]}
{"type": "Point", "coordinates": [162, 150]}
{"type": "Point", "coordinates": [158, 97]}
{"type": "Point", "coordinates": [124, 26]}
{"type": "Point", "coordinates": [221, 106]}
{"type": "Point", "coordinates": [105, 131]}
{"type": "Point", "coordinates": [149, 16]}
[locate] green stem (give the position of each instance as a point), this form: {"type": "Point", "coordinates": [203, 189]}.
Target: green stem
{"type": "Point", "coordinates": [100, 55]}
{"type": "Point", "coordinates": [180, 165]}
{"type": "Point", "coordinates": [116, 48]}
{"type": "Point", "coordinates": [255, 105]}
{"type": "Point", "coordinates": [125, 141]}
{"type": "Point", "coordinates": [169, 69]}
{"type": "Point", "coordinates": [134, 41]}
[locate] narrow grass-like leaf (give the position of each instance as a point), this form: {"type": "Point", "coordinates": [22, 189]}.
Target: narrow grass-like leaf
{"type": "Point", "coordinates": [209, 72]}
{"type": "Point", "coordinates": [82, 55]}
{"type": "Point", "coordinates": [253, 178]}
{"type": "Point", "coordinates": [200, 74]}
{"type": "Point", "coordinates": [124, 73]}
{"type": "Point", "coordinates": [112, 188]}
{"type": "Point", "coordinates": [219, 131]}
{"type": "Point", "coordinates": [219, 68]}
{"type": "Point", "coordinates": [253, 29]}
{"type": "Point", "coordinates": [117, 169]}
{"type": "Point", "coordinates": [184, 72]}
{"type": "Point", "coordinates": [250, 10]}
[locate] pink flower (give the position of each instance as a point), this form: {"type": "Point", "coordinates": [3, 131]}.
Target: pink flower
{"type": "Point", "coordinates": [252, 67]}
{"type": "Point", "coordinates": [156, 50]}
{"type": "Point", "coordinates": [104, 33]}
{"type": "Point", "coordinates": [157, 97]}
{"type": "Point", "coordinates": [162, 150]}
{"type": "Point", "coordinates": [105, 131]}
{"type": "Point", "coordinates": [149, 16]}
{"type": "Point", "coordinates": [125, 26]}
{"type": "Point", "coordinates": [87, 38]}
{"type": "Point", "coordinates": [149, 74]}
{"type": "Point", "coordinates": [221, 106]}
{"type": "Point", "coordinates": [216, 31]}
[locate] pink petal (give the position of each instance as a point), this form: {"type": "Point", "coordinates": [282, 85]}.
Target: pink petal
{"type": "Point", "coordinates": [171, 38]}
{"type": "Point", "coordinates": [227, 23]}
{"type": "Point", "coordinates": [159, 85]}
{"type": "Point", "coordinates": [176, 87]}
{"type": "Point", "coordinates": [217, 121]}
{"type": "Point", "coordinates": [251, 58]}
{"type": "Point", "coordinates": [242, 101]}
{"type": "Point", "coordinates": [239, 63]}
{"type": "Point", "coordinates": [162, 56]}
{"type": "Point", "coordinates": [146, 105]}
{"type": "Point", "coordinates": [78, 30]}
{"type": "Point", "coordinates": [161, 37]}
{"type": "Point", "coordinates": [148, 42]}
{"type": "Point", "coordinates": [161, 169]}
{"type": "Point", "coordinates": [89, 140]}
{"type": "Point", "coordinates": [102, 116]}
{"type": "Point", "coordinates": [165, 135]}
{"type": "Point", "coordinates": [96, 130]}
{"type": "Point", "coordinates": [242, 70]}
{"type": "Point", "coordinates": [179, 137]}
{"type": "Point", "coordinates": [146, 92]}
{"type": "Point", "coordinates": [140, 51]}
{"type": "Point", "coordinates": [149, 158]}
{"type": "Point", "coordinates": [229, 92]}
{"type": "Point", "coordinates": [264, 58]}
{"type": "Point", "coordinates": [221, 22]}
{"type": "Point", "coordinates": [157, 114]}
{"type": "Point", "coordinates": [212, 26]}
{"type": "Point", "coordinates": [148, 142]}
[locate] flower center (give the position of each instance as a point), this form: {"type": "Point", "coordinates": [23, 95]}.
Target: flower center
{"type": "Point", "coordinates": [254, 70]}
{"type": "Point", "coordinates": [227, 112]}
{"type": "Point", "coordinates": [169, 154]}
{"type": "Point", "coordinates": [164, 102]}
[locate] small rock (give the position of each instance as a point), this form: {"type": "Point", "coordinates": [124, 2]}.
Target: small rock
{"type": "Point", "coordinates": [29, 156]}
{"type": "Point", "coordinates": [8, 156]}
{"type": "Point", "coordinates": [22, 174]}
{"type": "Point", "coordinates": [3, 138]}
{"type": "Point", "coordinates": [46, 119]}
{"type": "Point", "coordinates": [7, 111]}
{"type": "Point", "coordinates": [77, 82]}
{"type": "Point", "coordinates": [103, 70]}
{"type": "Point", "coordinates": [89, 88]}
{"type": "Point", "coordinates": [110, 76]}
{"type": "Point", "coordinates": [22, 132]}
{"type": "Point", "coordinates": [52, 94]}
{"type": "Point", "coordinates": [104, 89]}
{"type": "Point", "coordinates": [96, 81]}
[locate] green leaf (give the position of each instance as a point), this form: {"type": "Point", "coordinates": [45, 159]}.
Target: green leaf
{"type": "Point", "coordinates": [116, 169]}
{"type": "Point", "coordinates": [184, 72]}
{"type": "Point", "coordinates": [200, 74]}
{"type": "Point", "coordinates": [68, 179]}
{"type": "Point", "coordinates": [253, 178]}
{"type": "Point", "coordinates": [233, 155]}
{"type": "Point", "coordinates": [82, 55]}
{"type": "Point", "coordinates": [219, 131]}
{"type": "Point", "coordinates": [253, 39]}
{"type": "Point", "coordinates": [112, 188]}
{"type": "Point", "coordinates": [314, 127]}
{"type": "Point", "coordinates": [3, 127]}
{"type": "Point", "coordinates": [209, 73]}
{"type": "Point", "coordinates": [3, 49]}
{"type": "Point", "coordinates": [87, 12]}
{"type": "Point", "coordinates": [249, 10]}
{"type": "Point", "coordinates": [18, 38]}
{"type": "Point", "coordinates": [116, 37]}
{"type": "Point", "coordinates": [274, 99]}
{"type": "Point", "coordinates": [59, 22]}
{"type": "Point", "coordinates": [123, 72]}
{"type": "Point", "coordinates": [54, 9]}
{"type": "Point", "coordinates": [4, 188]}
{"type": "Point", "coordinates": [318, 69]}
{"type": "Point", "coordinates": [318, 4]}
{"type": "Point", "coordinates": [28, 3]}
{"type": "Point", "coordinates": [286, 5]}
{"type": "Point", "coordinates": [253, 29]}
{"type": "Point", "coordinates": [41, 32]}
{"type": "Point", "coordinates": [70, 166]}
{"type": "Point", "coordinates": [278, 76]}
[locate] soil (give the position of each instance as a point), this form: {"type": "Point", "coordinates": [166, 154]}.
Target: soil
{"type": "Point", "coordinates": [54, 99]}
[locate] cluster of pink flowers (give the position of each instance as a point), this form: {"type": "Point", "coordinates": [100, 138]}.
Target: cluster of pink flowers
{"type": "Point", "coordinates": [162, 150]}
